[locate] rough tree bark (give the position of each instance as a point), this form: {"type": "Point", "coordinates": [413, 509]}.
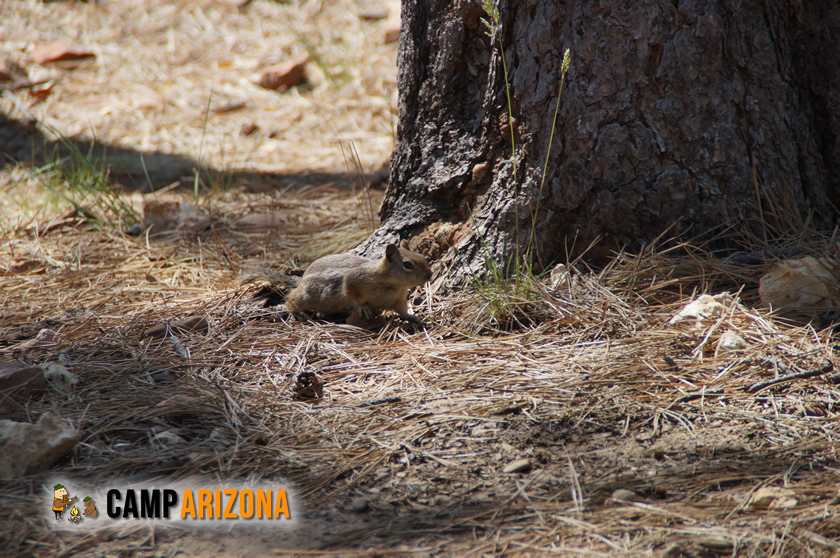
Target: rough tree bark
{"type": "Point", "coordinates": [678, 116]}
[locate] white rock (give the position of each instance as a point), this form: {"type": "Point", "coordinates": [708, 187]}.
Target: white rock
{"type": "Point", "coordinates": [704, 307]}
{"type": "Point", "coordinates": [560, 276]}
{"type": "Point", "coordinates": [731, 341]}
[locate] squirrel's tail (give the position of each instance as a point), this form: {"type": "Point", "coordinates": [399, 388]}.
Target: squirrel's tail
{"type": "Point", "coordinates": [278, 287]}
{"type": "Point", "coordinates": [272, 277]}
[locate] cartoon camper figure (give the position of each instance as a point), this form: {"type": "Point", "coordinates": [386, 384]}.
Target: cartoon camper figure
{"type": "Point", "coordinates": [60, 500]}
{"type": "Point", "coordinates": [90, 507]}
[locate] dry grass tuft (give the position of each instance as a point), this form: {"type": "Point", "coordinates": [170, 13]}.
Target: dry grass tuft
{"type": "Point", "coordinates": [160, 66]}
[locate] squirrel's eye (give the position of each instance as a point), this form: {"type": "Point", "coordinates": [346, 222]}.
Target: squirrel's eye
{"type": "Point", "coordinates": [408, 265]}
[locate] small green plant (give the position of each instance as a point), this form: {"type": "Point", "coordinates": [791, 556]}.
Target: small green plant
{"type": "Point", "coordinates": [206, 178]}
{"type": "Point", "coordinates": [83, 180]}
{"type": "Point", "coordinates": [361, 188]}
{"type": "Point", "coordinates": [503, 299]}
{"type": "Point", "coordinates": [492, 25]}
{"type": "Point", "coordinates": [225, 178]}
{"type": "Point", "coordinates": [507, 303]}
{"type": "Point", "coordinates": [503, 296]}
{"type": "Point", "coordinates": [197, 183]}
{"type": "Point", "coordinates": [529, 253]}
{"type": "Point", "coordinates": [318, 59]}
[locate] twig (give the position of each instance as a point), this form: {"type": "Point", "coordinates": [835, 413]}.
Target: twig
{"type": "Point", "coordinates": [693, 396]}
{"type": "Point", "coordinates": [378, 402]}
{"type": "Point", "coordinates": [828, 367]}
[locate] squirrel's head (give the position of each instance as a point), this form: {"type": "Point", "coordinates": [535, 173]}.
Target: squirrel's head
{"type": "Point", "coordinates": [410, 267]}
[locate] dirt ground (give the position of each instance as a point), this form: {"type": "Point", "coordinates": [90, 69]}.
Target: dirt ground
{"type": "Point", "coordinates": [577, 420]}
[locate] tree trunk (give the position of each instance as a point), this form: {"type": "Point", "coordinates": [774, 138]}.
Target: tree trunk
{"type": "Point", "coordinates": [676, 117]}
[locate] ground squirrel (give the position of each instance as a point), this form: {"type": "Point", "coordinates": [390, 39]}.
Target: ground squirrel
{"type": "Point", "coordinates": [352, 286]}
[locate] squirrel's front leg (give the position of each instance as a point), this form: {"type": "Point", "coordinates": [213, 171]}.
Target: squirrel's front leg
{"type": "Point", "coordinates": [360, 317]}
{"type": "Point", "coordinates": [403, 311]}
{"type": "Point", "coordinates": [362, 305]}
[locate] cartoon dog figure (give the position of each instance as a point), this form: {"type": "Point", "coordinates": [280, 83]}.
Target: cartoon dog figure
{"type": "Point", "coordinates": [90, 507]}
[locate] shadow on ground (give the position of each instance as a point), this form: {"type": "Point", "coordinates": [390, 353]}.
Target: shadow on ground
{"type": "Point", "coordinates": [23, 142]}
{"type": "Point", "coordinates": [687, 505]}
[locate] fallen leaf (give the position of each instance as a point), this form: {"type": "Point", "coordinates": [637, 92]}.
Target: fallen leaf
{"type": "Point", "coordinates": [167, 214]}
{"type": "Point", "coordinates": [227, 106]}
{"type": "Point", "coordinates": [248, 128]}
{"type": "Point", "coordinates": [57, 52]}
{"type": "Point", "coordinates": [392, 24]}
{"type": "Point", "coordinates": [45, 338]}
{"type": "Point", "coordinates": [59, 378]}
{"type": "Point", "coordinates": [807, 286]}
{"type": "Point", "coordinates": [177, 405]}
{"type": "Point", "coordinates": [25, 266]}
{"type": "Point", "coordinates": [41, 90]}
{"type": "Point", "coordinates": [286, 75]}
{"type": "Point", "coordinates": [372, 15]}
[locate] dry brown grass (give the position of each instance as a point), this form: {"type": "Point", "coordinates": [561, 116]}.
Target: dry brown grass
{"type": "Point", "coordinates": [589, 381]}
{"type": "Point", "coordinates": [600, 392]}
{"type": "Point", "coordinates": [159, 64]}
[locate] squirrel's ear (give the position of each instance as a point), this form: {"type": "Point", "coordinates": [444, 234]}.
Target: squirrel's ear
{"type": "Point", "coordinates": [390, 250]}
{"type": "Point", "coordinates": [404, 245]}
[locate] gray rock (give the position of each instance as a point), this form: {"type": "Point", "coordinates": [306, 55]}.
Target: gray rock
{"type": "Point", "coordinates": [19, 380]}
{"type": "Point", "coordinates": [27, 448]}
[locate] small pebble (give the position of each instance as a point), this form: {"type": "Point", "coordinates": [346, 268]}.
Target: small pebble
{"type": "Point", "coordinates": [359, 504]}
{"type": "Point", "coordinates": [442, 500]}
{"type": "Point", "coordinates": [518, 466]}
{"type": "Point", "coordinates": [624, 495]}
